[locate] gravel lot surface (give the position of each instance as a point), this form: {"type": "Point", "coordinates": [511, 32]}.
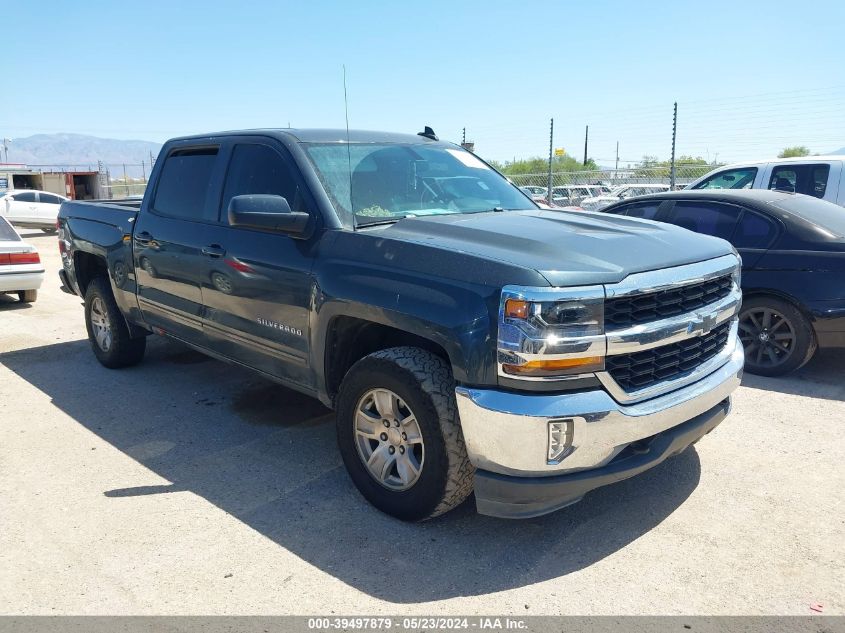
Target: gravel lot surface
{"type": "Point", "coordinates": [188, 486]}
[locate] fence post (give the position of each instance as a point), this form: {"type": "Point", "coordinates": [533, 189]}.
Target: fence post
{"type": "Point", "coordinates": [551, 153]}
{"type": "Point", "coordinates": [674, 131]}
{"type": "Point", "coordinates": [586, 137]}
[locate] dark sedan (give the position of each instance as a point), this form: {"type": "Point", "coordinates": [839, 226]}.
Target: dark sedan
{"type": "Point", "coordinates": [793, 265]}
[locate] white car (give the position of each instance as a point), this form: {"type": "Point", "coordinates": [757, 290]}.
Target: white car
{"type": "Point", "coordinates": [818, 176]}
{"type": "Point", "coordinates": [21, 272]}
{"type": "Point", "coordinates": [31, 209]}
{"type": "Point", "coordinates": [534, 192]}
{"type": "Point", "coordinates": [622, 192]}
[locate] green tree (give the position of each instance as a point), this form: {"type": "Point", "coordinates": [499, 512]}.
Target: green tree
{"type": "Point", "coordinates": [650, 167]}
{"type": "Point", "coordinates": [540, 165]}
{"type": "Point", "coordinates": [797, 150]}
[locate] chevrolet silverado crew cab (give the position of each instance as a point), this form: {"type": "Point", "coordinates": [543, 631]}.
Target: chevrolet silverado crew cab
{"type": "Point", "coordinates": [466, 339]}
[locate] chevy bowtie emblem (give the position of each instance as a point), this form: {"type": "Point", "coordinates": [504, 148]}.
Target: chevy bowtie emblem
{"type": "Point", "coordinates": [704, 323]}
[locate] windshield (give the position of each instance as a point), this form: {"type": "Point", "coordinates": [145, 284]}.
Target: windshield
{"type": "Point", "coordinates": [397, 180]}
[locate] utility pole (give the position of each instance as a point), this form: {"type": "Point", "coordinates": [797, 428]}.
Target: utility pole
{"type": "Point", "coordinates": [152, 160]}
{"type": "Point", "coordinates": [617, 160]}
{"type": "Point", "coordinates": [586, 138]}
{"type": "Point", "coordinates": [464, 137]}
{"type": "Point", "coordinates": [674, 133]}
{"type": "Point", "coordinates": [6, 142]}
{"type": "Point", "coordinates": [125, 179]}
{"type": "Point", "coordinates": [143, 172]}
{"type": "Point", "coordinates": [551, 153]}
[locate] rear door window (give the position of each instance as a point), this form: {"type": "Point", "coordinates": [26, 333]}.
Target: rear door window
{"type": "Point", "coordinates": [753, 231]}
{"type": "Point", "coordinates": [741, 178]}
{"type": "Point", "coordinates": [49, 198]}
{"type": "Point", "coordinates": [184, 183]}
{"type": "Point", "coordinates": [811, 180]}
{"type": "Point", "coordinates": [709, 218]}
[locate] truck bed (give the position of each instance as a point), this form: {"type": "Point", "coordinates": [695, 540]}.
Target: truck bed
{"type": "Point", "coordinates": [105, 211]}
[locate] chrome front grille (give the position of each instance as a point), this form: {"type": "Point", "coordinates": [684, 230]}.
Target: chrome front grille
{"type": "Point", "coordinates": [658, 364]}
{"type": "Point", "coordinates": [666, 329]}
{"type": "Point", "coordinates": [652, 306]}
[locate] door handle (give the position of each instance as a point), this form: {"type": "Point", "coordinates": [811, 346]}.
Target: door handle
{"type": "Point", "coordinates": [213, 250]}
{"type": "Point", "coordinates": [143, 238]}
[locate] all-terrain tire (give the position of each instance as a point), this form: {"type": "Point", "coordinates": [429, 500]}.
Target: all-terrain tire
{"type": "Point", "coordinates": [123, 350]}
{"type": "Point", "coordinates": [425, 383]}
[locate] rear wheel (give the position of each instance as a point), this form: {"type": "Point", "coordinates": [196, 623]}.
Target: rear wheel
{"type": "Point", "coordinates": [400, 436]}
{"type": "Point", "coordinates": [108, 333]}
{"type": "Point", "coordinates": [777, 338]}
{"type": "Point", "coordinates": [28, 296]}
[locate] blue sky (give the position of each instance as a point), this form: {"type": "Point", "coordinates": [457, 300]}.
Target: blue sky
{"type": "Point", "coordinates": [749, 77]}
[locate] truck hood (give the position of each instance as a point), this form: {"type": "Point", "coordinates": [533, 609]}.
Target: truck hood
{"type": "Point", "coordinates": [568, 249]}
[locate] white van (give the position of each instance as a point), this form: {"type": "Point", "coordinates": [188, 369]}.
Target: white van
{"type": "Point", "coordinates": [818, 176]}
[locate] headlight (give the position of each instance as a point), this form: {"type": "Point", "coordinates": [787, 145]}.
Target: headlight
{"type": "Point", "coordinates": [549, 333]}
{"type": "Point", "coordinates": [736, 275]}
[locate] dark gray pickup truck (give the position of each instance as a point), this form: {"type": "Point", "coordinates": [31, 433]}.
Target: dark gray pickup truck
{"type": "Point", "coordinates": [467, 339]}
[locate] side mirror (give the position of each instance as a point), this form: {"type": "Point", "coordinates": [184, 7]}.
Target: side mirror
{"type": "Point", "coordinates": [267, 213]}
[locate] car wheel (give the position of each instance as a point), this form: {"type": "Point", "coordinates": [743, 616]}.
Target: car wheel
{"type": "Point", "coordinates": [400, 436]}
{"type": "Point", "coordinates": [777, 337]}
{"type": "Point", "coordinates": [108, 333]}
{"type": "Point", "coordinates": [28, 296]}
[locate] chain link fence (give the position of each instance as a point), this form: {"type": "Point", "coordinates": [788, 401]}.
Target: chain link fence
{"type": "Point", "coordinates": [570, 187]}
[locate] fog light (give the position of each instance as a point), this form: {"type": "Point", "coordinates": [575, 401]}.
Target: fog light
{"type": "Point", "coordinates": [560, 440]}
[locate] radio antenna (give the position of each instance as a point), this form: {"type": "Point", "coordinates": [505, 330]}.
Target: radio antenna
{"type": "Point", "coordinates": [348, 151]}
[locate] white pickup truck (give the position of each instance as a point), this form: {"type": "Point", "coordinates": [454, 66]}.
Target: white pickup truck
{"type": "Point", "coordinates": [818, 176]}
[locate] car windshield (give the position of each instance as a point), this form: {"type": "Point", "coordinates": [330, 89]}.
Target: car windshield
{"type": "Point", "coordinates": [7, 233]}
{"type": "Point", "coordinates": [826, 215]}
{"type": "Point", "coordinates": [386, 182]}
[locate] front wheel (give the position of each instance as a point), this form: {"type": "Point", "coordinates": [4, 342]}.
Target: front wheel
{"type": "Point", "coordinates": [776, 336]}
{"type": "Point", "coordinates": [400, 436]}
{"type": "Point", "coordinates": [108, 333]}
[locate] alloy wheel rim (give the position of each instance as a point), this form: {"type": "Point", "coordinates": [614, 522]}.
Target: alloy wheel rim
{"type": "Point", "coordinates": [100, 324]}
{"type": "Point", "coordinates": [768, 337]}
{"type": "Point", "coordinates": [389, 439]}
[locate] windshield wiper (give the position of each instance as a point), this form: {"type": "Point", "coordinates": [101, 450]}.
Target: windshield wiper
{"type": "Point", "coordinates": [390, 220]}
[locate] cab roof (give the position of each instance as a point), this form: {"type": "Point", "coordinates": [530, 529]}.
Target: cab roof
{"type": "Point", "coordinates": [319, 135]}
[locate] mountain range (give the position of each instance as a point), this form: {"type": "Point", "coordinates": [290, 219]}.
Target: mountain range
{"type": "Point", "coordinates": [81, 152]}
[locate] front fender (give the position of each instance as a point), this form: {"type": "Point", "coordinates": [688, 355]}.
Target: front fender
{"type": "Point", "coordinates": [456, 317]}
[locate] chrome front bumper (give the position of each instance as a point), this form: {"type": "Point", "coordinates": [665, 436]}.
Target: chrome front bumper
{"type": "Point", "coordinates": [507, 432]}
